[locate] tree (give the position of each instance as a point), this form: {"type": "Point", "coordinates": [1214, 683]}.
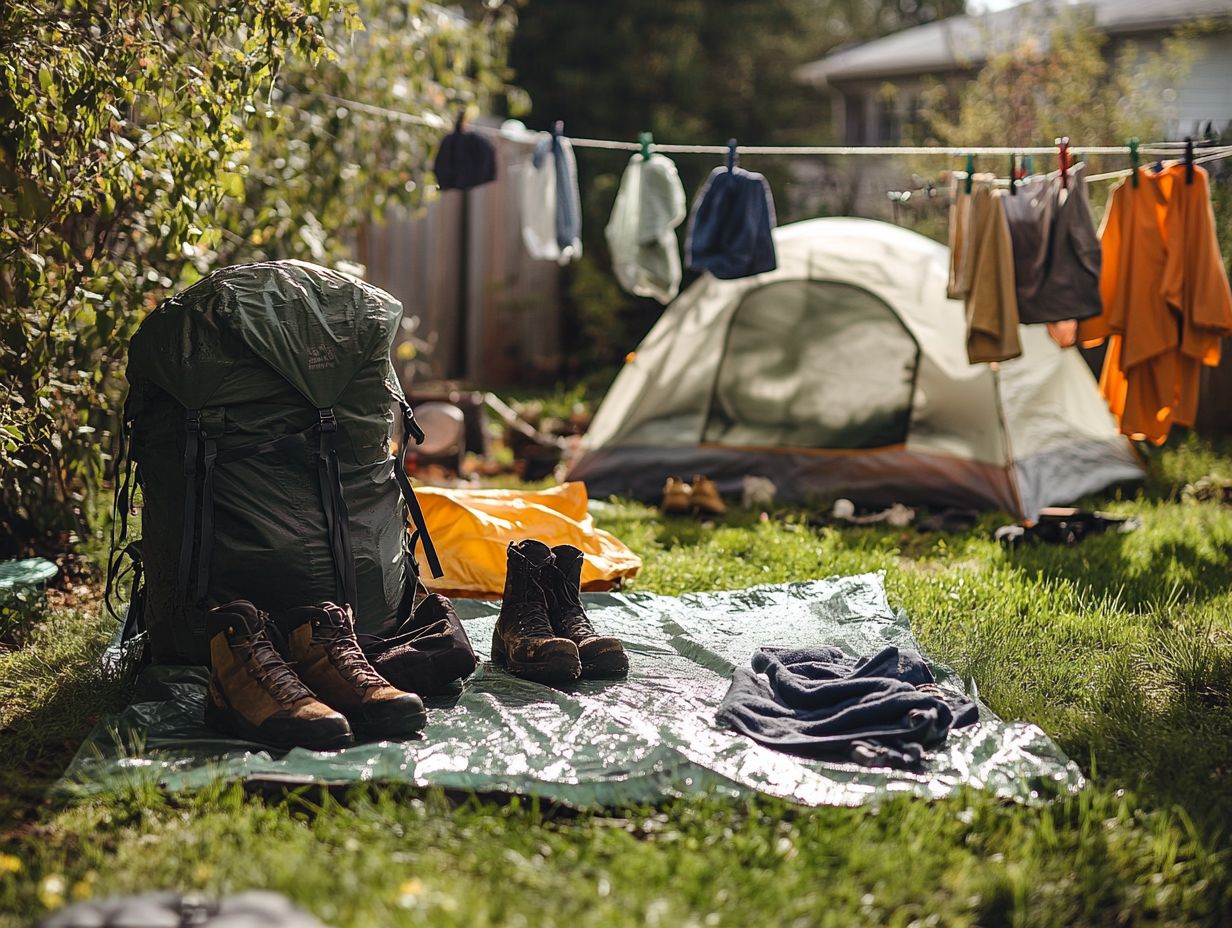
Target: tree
{"type": "Point", "coordinates": [144, 142]}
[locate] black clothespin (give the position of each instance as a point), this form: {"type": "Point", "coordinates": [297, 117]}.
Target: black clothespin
{"type": "Point", "coordinates": [970, 173]}
{"type": "Point", "coordinates": [460, 122]}
{"type": "Point", "coordinates": [1063, 159]}
{"type": "Point", "coordinates": [646, 139]}
{"type": "Point", "coordinates": [732, 154]}
{"type": "Point", "coordinates": [1013, 175]}
{"type": "Point", "coordinates": [558, 128]}
{"type": "Point", "coordinates": [1189, 159]}
{"type": "Point", "coordinates": [1133, 160]}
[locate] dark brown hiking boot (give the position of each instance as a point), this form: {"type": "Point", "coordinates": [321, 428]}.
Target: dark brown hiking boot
{"type": "Point", "coordinates": [322, 648]}
{"type": "Point", "coordinates": [523, 640]}
{"type": "Point", "coordinates": [254, 695]}
{"type": "Point", "coordinates": [601, 655]}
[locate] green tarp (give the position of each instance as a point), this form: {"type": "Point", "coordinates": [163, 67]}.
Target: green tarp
{"type": "Point", "coordinates": [610, 743]}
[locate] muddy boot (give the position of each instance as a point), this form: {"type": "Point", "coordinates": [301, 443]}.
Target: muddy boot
{"type": "Point", "coordinates": [254, 695]}
{"type": "Point", "coordinates": [322, 648]}
{"type": "Point", "coordinates": [601, 655]}
{"type": "Point", "coordinates": [523, 640]}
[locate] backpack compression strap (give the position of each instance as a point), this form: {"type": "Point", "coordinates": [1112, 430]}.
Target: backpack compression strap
{"type": "Point", "coordinates": [411, 429]}
{"type": "Point", "coordinates": [337, 519]}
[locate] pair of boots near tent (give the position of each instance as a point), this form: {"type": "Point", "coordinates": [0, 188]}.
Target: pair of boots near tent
{"type": "Point", "coordinates": [258, 429]}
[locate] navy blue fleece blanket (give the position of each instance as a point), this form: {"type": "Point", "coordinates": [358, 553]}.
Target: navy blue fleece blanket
{"type": "Point", "coordinates": [880, 710]}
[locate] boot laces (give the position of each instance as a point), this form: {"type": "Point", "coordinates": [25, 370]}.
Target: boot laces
{"type": "Point", "coordinates": [271, 668]}
{"type": "Point", "coordinates": [574, 622]}
{"type": "Point", "coordinates": [348, 656]}
{"type": "Point", "coordinates": [530, 620]}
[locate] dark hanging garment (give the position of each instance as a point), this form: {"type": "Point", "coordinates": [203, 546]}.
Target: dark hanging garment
{"type": "Point", "coordinates": [464, 160]}
{"type": "Point", "coordinates": [730, 229]}
{"type": "Point", "coordinates": [1056, 249]}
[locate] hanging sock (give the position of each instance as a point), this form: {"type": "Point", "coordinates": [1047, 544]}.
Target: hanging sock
{"type": "Point", "coordinates": [730, 228]}
{"type": "Point", "coordinates": [464, 159]}
{"type": "Point", "coordinates": [641, 232]}
{"type": "Point", "coordinates": [551, 203]}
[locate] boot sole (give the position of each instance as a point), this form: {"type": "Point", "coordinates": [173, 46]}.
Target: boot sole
{"type": "Point", "coordinates": [613, 664]}
{"type": "Point", "coordinates": [231, 723]}
{"type": "Point", "coordinates": [411, 723]}
{"type": "Point", "coordinates": [556, 669]}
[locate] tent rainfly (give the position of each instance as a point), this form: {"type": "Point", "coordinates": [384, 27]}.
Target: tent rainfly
{"type": "Point", "coordinates": [844, 373]}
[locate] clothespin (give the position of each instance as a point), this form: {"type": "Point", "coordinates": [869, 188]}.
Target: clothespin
{"type": "Point", "coordinates": [460, 122]}
{"type": "Point", "coordinates": [1189, 159]}
{"type": "Point", "coordinates": [732, 154]}
{"type": "Point", "coordinates": [1026, 166]}
{"type": "Point", "coordinates": [1063, 159]}
{"type": "Point", "coordinates": [970, 173]}
{"type": "Point", "coordinates": [1133, 159]}
{"type": "Point", "coordinates": [646, 139]}
{"type": "Point", "coordinates": [1013, 175]}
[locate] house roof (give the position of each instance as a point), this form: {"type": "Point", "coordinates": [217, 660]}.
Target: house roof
{"type": "Point", "coordinates": [962, 42]}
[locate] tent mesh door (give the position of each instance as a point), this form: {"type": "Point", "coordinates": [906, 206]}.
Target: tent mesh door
{"type": "Point", "coordinates": [813, 364]}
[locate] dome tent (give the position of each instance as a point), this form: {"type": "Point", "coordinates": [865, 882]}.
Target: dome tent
{"type": "Point", "coordinates": [844, 373]}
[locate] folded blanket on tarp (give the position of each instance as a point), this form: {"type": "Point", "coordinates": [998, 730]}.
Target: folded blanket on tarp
{"type": "Point", "coordinates": [884, 709]}
{"type": "Point", "coordinates": [602, 742]}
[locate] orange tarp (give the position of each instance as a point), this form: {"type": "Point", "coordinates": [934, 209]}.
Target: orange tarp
{"type": "Point", "coordinates": [471, 529]}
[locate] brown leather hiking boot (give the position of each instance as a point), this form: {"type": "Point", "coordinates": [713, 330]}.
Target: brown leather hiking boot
{"type": "Point", "coordinates": [705, 497]}
{"type": "Point", "coordinates": [254, 695]}
{"type": "Point", "coordinates": [523, 640]}
{"type": "Point", "coordinates": [601, 655]}
{"type": "Point", "coordinates": [676, 498]}
{"type": "Point", "coordinates": [322, 648]}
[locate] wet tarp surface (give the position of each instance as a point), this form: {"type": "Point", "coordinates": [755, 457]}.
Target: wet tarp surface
{"type": "Point", "coordinates": [644, 739]}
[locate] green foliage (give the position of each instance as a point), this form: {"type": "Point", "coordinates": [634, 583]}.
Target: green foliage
{"type": "Point", "coordinates": [144, 143]}
{"type": "Point", "coordinates": [118, 123]}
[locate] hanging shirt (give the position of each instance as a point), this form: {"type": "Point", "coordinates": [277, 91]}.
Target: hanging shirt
{"type": "Point", "coordinates": [960, 213]}
{"type": "Point", "coordinates": [641, 232]}
{"type": "Point", "coordinates": [730, 229]}
{"type": "Point", "coordinates": [551, 204]}
{"type": "Point", "coordinates": [1166, 298]}
{"type": "Point", "coordinates": [464, 160]}
{"type": "Point", "coordinates": [1056, 249]}
{"type": "Point", "coordinates": [986, 277]}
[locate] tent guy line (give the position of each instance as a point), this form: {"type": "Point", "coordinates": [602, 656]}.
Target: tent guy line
{"type": "Point", "coordinates": [436, 122]}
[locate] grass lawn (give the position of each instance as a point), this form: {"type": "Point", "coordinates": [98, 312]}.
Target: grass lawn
{"type": "Point", "coordinates": [1120, 648]}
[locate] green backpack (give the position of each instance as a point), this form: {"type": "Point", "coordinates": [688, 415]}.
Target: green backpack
{"type": "Point", "coordinates": [258, 425]}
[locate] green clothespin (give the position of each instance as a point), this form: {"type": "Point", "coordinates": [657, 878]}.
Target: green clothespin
{"type": "Point", "coordinates": [1026, 166]}
{"type": "Point", "coordinates": [646, 139]}
{"type": "Point", "coordinates": [1133, 160]}
{"type": "Point", "coordinates": [970, 172]}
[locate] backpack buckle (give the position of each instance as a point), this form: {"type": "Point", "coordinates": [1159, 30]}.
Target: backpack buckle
{"type": "Point", "coordinates": [192, 420]}
{"type": "Point", "coordinates": [328, 422]}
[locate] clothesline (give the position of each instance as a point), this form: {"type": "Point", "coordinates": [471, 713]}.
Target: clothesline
{"type": "Point", "coordinates": [433, 121]}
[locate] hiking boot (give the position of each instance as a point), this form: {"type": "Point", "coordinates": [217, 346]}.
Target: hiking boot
{"type": "Point", "coordinates": [523, 640]}
{"type": "Point", "coordinates": [676, 498]}
{"type": "Point", "coordinates": [705, 497]}
{"type": "Point", "coordinates": [255, 695]}
{"type": "Point", "coordinates": [322, 648]}
{"type": "Point", "coordinates": [601, 655]}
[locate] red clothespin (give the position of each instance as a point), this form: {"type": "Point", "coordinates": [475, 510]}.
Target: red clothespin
{"type": "Point", "coordinates": [1063, 159]}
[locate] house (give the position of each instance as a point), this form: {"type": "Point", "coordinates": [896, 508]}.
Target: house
{"type": "Point", "coordinates": [875, 88]}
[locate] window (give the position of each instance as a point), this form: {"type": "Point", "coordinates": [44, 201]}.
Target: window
{"type": "Point", "coordinates": [813, 364]}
